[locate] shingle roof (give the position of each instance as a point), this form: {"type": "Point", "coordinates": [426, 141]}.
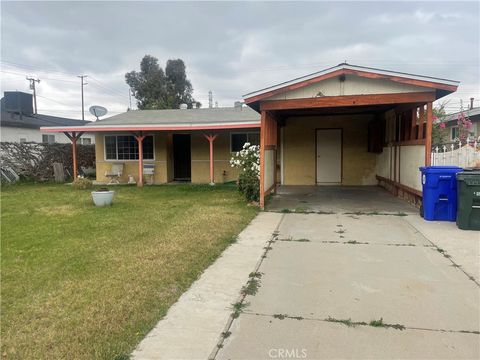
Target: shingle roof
{"type": "Point", "coordinates": [172, 117]}
{"type": "Point", "coordinates": [473, 114]}
{"type": "Point", "coordinates": [36, 121]}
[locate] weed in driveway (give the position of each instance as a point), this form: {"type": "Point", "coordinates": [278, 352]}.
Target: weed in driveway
{"type": "Point", "coordinates": [377, 323]}
{"type": "Point", "coordinates": [280, 316]}
{"type": "Point", "coordinates": [294, 240]}
{"type": "Point", "coordinates": [238, 308]}
{"type": "Point", "coordinates": [340, 231]}
{"type": "Point", "coordinates": [347, 322]}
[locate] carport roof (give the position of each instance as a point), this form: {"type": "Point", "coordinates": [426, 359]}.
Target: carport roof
{"type": "Point", "coordinates": [344, 68]}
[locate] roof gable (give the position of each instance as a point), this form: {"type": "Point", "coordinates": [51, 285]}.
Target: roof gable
{"type": "Point", "coordinates": [375, 77]}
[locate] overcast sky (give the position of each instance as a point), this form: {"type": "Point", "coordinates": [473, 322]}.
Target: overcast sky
{"type": "Point", "coordinates": [229, 48]}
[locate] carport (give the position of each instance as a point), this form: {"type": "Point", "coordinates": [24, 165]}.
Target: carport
{"type": "Point", "coordinates": [347, 126]}
{"type": "Point", "coordinates": [337, 199]}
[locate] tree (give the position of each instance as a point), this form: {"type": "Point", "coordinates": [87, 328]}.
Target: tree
{"type": "Point", "coordinates": [155, 89]}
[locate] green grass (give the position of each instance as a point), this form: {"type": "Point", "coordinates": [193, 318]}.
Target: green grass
{"type": "Point", "coordinates": [81, 282]}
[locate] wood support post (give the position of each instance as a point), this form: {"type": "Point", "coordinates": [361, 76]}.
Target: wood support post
{"type": "Point", "coordinates": [211, 138]}
{"type": "Point", "coordinates": [421, 120]}
{"type": "Point", "coordinates": [74, 157]}
{"type": "Point", "coordinates": [413, 124]}
{"type": "Point", "coordinates": [140, 138]}
{"type": "Point", "coordinates": [263, 119]}
{"type": "Point", "coordinates": [74, 136]}
{"type": "Point", "coordinates": [428, 135]}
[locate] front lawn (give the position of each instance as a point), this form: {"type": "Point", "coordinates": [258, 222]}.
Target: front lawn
{"type": "Point", "coordinates": [80, 282]}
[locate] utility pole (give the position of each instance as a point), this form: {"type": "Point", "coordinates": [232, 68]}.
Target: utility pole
{"type": "Point", "coordinates": [210, 99]}
{"type": "Point", "coordinates": [82, 85]}
{"type": "Point", "coordinates": [130, 98]}
{"type": "Point", "coordinates": [32, 86]}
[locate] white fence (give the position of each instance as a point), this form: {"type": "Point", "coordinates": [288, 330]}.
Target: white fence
{"type": "Point", "coordinates": [463, 154]}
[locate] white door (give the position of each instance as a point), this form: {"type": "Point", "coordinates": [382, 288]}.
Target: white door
{"type": "Point", "coordinates": [329, 156]}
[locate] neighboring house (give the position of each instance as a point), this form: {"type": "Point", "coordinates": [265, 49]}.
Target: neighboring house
{"type": "Point", "coordinates": [19, 123]}
{"type": "Point", "coordinates": [451, 124]}
{"type": "Point", "coordinates": [346, 125]}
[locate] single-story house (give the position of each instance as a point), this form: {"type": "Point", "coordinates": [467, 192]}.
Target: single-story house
{"type": "Point", "coordinates": [345, 125]}
{"type": "Point", "coordinates": [19, 123]}
{"type": "Point", "coordinates": [451, 123]}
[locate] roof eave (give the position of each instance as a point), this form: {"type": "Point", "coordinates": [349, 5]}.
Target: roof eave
{"type": "Point", "coordinates": [150, 127]}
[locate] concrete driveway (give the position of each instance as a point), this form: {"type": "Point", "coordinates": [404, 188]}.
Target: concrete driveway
{"type": "Point", "coordinates": [358, 286]}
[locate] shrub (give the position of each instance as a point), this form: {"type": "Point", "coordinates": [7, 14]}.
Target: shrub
{"type": "Point", "coordinates": [81, 183]}
{"type": "Point", "coordinates": [248, 161]}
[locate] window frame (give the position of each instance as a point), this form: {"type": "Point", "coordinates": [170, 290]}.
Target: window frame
{"type": "Point", "coordinates": [82, 141]}
{"type": "Point", "coordinates": [116, 148]}
{"type": "Point", "coordinates": [242, 133]}
{"type": "Point", "coordinates": [52, 136]}
{"type": "Point", "coordinates": [453, 129]}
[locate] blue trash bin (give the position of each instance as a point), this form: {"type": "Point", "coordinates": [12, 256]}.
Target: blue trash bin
{"type": "Point", "coordinates": [439, 186]}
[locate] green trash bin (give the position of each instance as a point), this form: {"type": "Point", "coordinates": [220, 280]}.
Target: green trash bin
{"type": "Point", "coordinates": [468, 199]}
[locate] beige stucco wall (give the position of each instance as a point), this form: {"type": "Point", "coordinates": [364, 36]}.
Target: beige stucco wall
{"type": "Point", "coordinates": [131, 166]}
{"type": "Point", "coordinates": [353, 85]}
{"type": "Point", "coordinates": [382, 167]}
{"type": "Point", "coordinates": [269, 174]}
{"type": "Point", "coordinates": [221, 155]}
{"type": "Point", "coordinates": [200, 154]}
{"type": "Point", "coordinates": [299, 150]}
{"type": "Point", "coordinates": [411, 158]}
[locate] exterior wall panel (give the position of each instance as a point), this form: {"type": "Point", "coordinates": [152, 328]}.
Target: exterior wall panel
{"type": "Point", "coordinates": [300, 152]}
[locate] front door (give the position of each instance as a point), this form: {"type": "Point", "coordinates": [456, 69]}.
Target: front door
{"type": "Point", "coordinates": [329, 156]}
{"type": "Point", "coordinates": [182, 161]}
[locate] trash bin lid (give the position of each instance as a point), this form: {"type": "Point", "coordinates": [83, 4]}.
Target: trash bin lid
{"type": "Point", "coordinates": [433, 169]}
{"type": "Point", "coordinates": [469, 176]}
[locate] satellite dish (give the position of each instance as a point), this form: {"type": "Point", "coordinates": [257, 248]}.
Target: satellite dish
{"type": "Point", "coordinates": [97, 111]}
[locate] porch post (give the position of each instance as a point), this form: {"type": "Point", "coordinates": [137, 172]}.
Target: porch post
{"type": "Point", "coordinates": [262, 158]}
{"type": "Point", "coordinates": [74, 156]}
{"type": "Point", "coordinates": [74, 136]}
{"type": "Point", "coordinates": [211, 138]}
{"type": "Point", "coordinates": [428, 135]}
{"type": "Point", "coordinates": [140, 138]}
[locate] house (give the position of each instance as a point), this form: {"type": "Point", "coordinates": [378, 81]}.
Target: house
{"type": "Point", "coordinates": [345, 125]}
{"type": "Point", "coordinates": [19, 123]}
{"type": "Point", "coordinates": [451, 124]}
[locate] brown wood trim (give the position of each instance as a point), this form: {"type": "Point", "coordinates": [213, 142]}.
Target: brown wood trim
{"type": "Point", "coordinates": [413, 128]}
{"type": "Point", "coordinates": [400, 186]}
{"type": "Point", "coordinates": [428, 135]}
{"type": "Point", "coordinates": [409, 142]}
{"type": "Point", "coordinates": [347, 100]}
{"type": "Point", "coordinates": [421, 120]}
{"type": "Point", "coordinates": [262, 159]}
{"type": "Point", "coordinates": [365, 74]}
{"type": "Point", "coordinates": [341, 154]}
{"type": "Point", "coordinates": [422, 83]}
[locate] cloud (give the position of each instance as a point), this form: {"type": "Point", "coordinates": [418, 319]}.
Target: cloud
{"type": "Point", "coordinates": [231, 48]}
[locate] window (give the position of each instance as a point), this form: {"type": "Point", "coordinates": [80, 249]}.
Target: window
{"type": "Point", "coordinates": [237, 140]}
{"type": "Point", "coordinates": [454, 132]}
{"type": "Point", "coordinates": [48, 139]}
{"type": "Point", "coordinates": [125, 147]}
{"type": "Point", "coordinates": [85, 141]}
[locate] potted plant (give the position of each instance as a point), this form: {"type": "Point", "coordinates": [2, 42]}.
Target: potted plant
{"type": "Point", "coordinates": [102, 197]}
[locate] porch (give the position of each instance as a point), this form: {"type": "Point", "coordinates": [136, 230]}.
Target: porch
{"type": "Point", "coordinates": [337, 199]}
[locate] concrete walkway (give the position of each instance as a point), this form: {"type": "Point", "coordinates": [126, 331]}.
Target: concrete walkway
{"type": "Point", "coordinates": [194, 324]}
{"type": "Point", "coordinates": [362, 286]}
